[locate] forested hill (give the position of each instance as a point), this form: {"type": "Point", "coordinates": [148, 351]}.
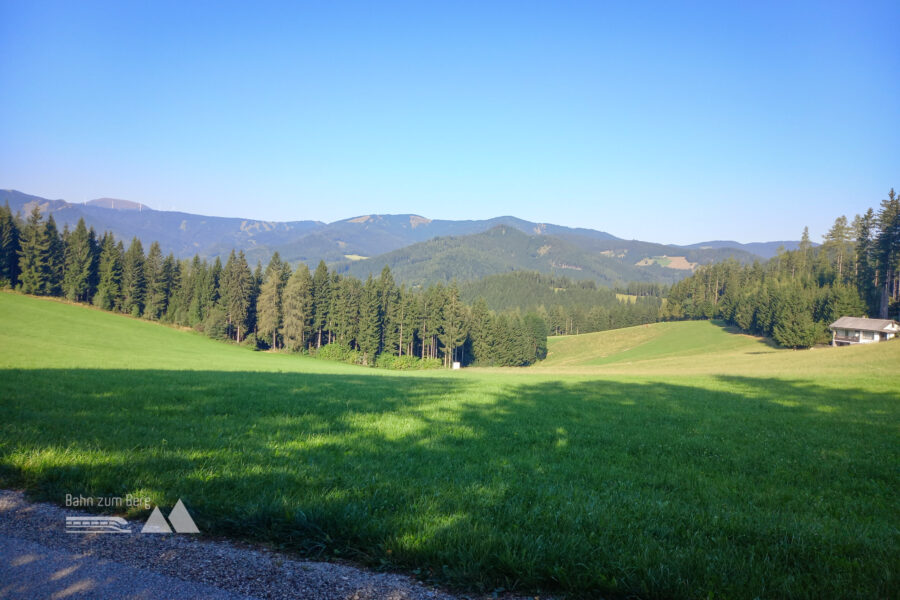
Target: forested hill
{"type": "Point", "coordinates": [565, 305]}
{"type": "Point", "coordinates": [795, 296]}
{"type": "Point", "coordinates": [528, 290]}
{"type": "Point", "coordinates": [504, 249]}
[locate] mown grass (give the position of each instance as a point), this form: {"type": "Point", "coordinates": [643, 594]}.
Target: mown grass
{"type": "Point", "coordinates": [646, 484]}
{"type": "Point", "coordinates": [648, 342]}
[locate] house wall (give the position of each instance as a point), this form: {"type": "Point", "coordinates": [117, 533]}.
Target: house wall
{"type": "Point", "coordinates": [864, 337]}
{"type": "Point", "coordinates": [843, 337]}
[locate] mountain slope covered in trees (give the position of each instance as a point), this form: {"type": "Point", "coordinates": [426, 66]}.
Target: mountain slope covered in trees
{"type": "Point", "coordinates": [567, 306]}
{"type": "Point", "coordinates": [796, 295]}
{"type": "Point", "coordinates": [504, 249]}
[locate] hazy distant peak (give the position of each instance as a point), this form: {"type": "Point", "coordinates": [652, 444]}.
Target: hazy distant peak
{"type": "Point", "coordinates": [117, 204]}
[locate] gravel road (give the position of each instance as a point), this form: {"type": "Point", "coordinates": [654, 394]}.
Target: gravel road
{"type": "Point", "coordinates": [38, 559]}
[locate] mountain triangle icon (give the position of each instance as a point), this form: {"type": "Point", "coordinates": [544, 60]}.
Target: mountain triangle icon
{"type": "Point", "coordinates": [157, 523]}
{"type": "Point", "coordinates": [181, 520]}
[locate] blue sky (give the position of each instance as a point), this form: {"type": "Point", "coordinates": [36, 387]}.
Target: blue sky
{"type": "Point", "coordinates": [671, 122]}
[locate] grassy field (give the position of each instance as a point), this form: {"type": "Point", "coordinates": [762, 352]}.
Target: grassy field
{"type": "Point", "coordinates": [678, 460]}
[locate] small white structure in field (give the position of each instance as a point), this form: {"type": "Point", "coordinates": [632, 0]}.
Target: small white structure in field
{"type": "Point", "coordinates": [855, 330]}
{"type": "Point", "coordinates": [456, 364]}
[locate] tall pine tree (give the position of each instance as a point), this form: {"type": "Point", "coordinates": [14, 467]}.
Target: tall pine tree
{"type": "Point", "coordinates": [80, 264]}
{"type": "Point", "coordinates": [134, 281]}
{"type": "Point", "coordinates": [270, 304]}
{"type": "Point", "coordinates": [237, 292]}
{"type": "Point", "coordinates": [34, 251]}
{"type": "Point", "coordinates": [109, 287]}
{"type": "Point", "coordinates": [155, 303]}
{"type": "Point", "coordinates": [298, 309]}
{"type": "Point", "coordinates": [369, 321]}
{"type": "Point", "coordinates": [56, 258]}
{"type": "Point", "coordinates": [9, 248]}
{"type": "Point", "coordinates": [321, 287]}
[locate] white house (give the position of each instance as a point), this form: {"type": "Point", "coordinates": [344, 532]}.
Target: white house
{"type": "Point", "coordinates": [855, 330]}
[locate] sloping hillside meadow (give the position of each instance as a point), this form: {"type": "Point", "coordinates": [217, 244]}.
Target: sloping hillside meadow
{"type": "Point", "coordinates": [677, 460]}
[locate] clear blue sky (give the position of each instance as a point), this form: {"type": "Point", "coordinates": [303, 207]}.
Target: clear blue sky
{"type": "Point", "coordinates": [672, 122]}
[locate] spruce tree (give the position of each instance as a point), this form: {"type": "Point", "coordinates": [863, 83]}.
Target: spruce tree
{"type": "Point", "coordinates": [237, 290]}
{"type": "Point", "coordinates": [268, 310]}
{"type": "Point", "coordinates": [452, 333]}
{"type": "Point", "coordinates": [94, 278]}
{"type": "Point", "coordinates": [109, 286]}
{"type": "Point", "coordinates": [256, 282]}
{"type": "Point", "coordinates": [334, 301]}
{"type": "Point", "coordinates": [389, 300]}
{"type": "Point", "coordinates": [536, 330]}
{"type": "Point", "coordinates": [270, 303]}
{"type": "Point", "coordinates": [9, 248]}
{"type": "Point", "coordinates": [369, 321]}
{"type": "Point", "coordinates": [888, 252]}
{"type": "Point", "coordinates": [402, 316]}
{"type": "Point", "coordinates": [480, 332]}
{"type": "Point", "coordinates": [502, 341]}
{"type": "Point", "coordinates": [34, 250]}
{"type": "Point", "coordinates": [56, 258]}
{"type": "Point", "coordinates": [321, 289]}
{"type": "Point", "coordinates": [298, 309]}
{"type": "Point", "coordinates": [523, 353]}
{"type": "Point", "coordinates": [214, 288]}
{"type": "Point", "coordinates": [134, 282]}
{"type": "Point", "coordinates": [154, 305]}
{"type": "Point", "coordinates": [837, 242]}
{"type": "Point", "coordinates": [80, 263]}
{"type": "Point", "coordinates": [202, 289]}
{"type": "Point", "coordinates": [170, 286]}
{"type": "Point", "coordinates": [865, 261]}
{"type": "Point", "coordinates": [344, 310]}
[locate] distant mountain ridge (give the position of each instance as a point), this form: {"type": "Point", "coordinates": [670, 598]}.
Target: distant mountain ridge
{"type": "Point", "coordinates": [352, 243]}
{"type": "Point", "coordinates": [763, 249]}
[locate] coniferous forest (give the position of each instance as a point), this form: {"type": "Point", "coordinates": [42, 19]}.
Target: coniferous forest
{"type": "Point", "coordinates": [567, 306]}
{"type": "Point", "coordinates": [796, 295]}
{"type": "Point", "coordinates": [371, 322]}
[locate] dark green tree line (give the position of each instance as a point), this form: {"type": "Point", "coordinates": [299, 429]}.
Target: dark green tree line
{"type": "Point", "coordinates": [796, 295]}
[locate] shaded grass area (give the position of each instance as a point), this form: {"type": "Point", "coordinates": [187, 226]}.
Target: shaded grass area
{"type": "Point", "coordinates": [660, 488]}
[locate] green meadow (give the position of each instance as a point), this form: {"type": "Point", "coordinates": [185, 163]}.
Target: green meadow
{"type": "Point", "coordinates": [677, 460]}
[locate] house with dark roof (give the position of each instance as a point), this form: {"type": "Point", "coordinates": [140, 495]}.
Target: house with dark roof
{"type": "Point", "coordinates": [856, 330]}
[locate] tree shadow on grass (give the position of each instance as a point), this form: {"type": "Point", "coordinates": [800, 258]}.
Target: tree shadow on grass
{"type": "Point", "coordinates": [749, 487]}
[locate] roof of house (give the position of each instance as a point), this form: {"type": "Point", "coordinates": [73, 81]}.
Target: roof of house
{"type": "Point", "coordinates": [865, 324]}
